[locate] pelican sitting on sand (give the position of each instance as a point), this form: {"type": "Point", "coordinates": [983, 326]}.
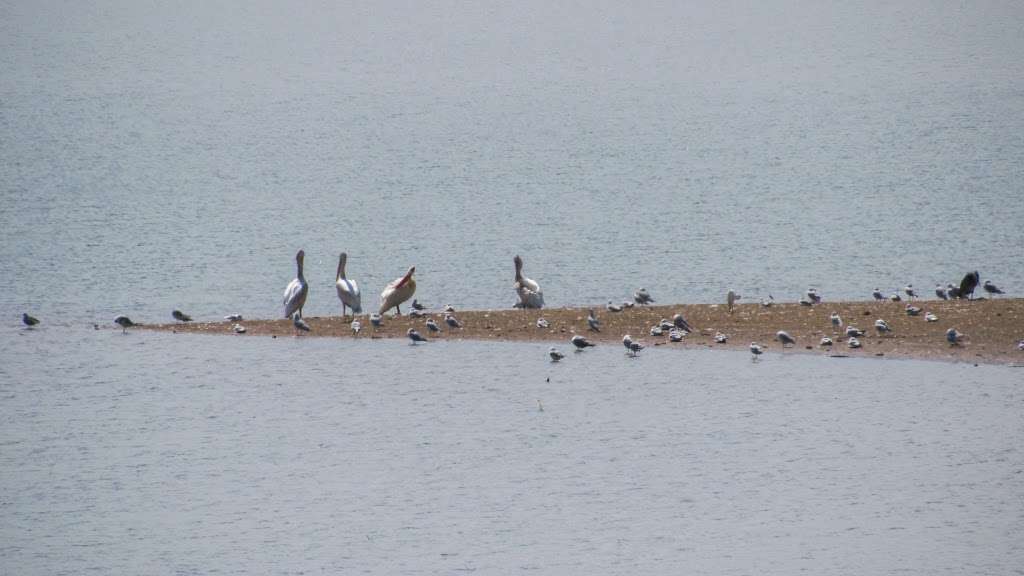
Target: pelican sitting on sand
{"type": "Point", "coordinates": [348, 290]}
{"type": "Point", "coordinates": [528, 291]}
{"type": "Point", "coordinates": [397, 292]}
{"type": "Point", "coordinates": [297, 290]}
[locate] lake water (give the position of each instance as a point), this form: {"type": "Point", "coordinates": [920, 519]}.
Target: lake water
{"type": "Point", "coordinates": [176, 156]}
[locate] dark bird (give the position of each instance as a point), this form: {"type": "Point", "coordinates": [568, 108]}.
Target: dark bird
{"type": "Point", "coordinates": [991, 288]}
{"type": "Point", "coordinates": [679, 322]}
{"type": "Point", "coordinates": [968, 284]}
{"type": "Point", "coordinates": [642, 297]}
{"type": "Point", "coordinates": [785, 338]}
{"type": "Point", "coordinates": [415, 336]}
{"type": "Point", "coordinates": [452, 321]}
{"type": "Point", "coordinates": [580, 342]}
{"type": "Point", "coordinates": [952, 292]}
{"type": "Point", "coordinates": [29, 320]}
{"type": "Point", "coordinates": [299, 323]}
{"type": "Point", "coordinates": [417, 306]}
{"type": "Point", "coordinates": [181, 316]}
{"type": "Point", "coordinates": [941, 292]}
{"type": "Point", "coordinates": [125, 323]}
{"type": "Point", "coordinates": [432, 326]}
{"type": "Point", "coordinates": [593, 322]}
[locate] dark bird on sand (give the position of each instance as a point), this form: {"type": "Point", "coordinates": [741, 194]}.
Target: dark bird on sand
{"type": "Point", "coordinates": [968, 284]}
{"type": "Point", "coordinates": [125, 323]}
{"type": "Point", "coordinates": [181, 316]}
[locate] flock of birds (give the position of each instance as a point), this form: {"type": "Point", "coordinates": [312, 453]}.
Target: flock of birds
{"type": "Point", "coordinates": [530, 296]}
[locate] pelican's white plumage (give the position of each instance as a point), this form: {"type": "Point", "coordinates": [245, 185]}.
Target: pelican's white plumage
{"type": "Point", "coordinates": [397, 292]}
{"type": "Point", "coordinates": [295, 293]}
{"type": "Point", "coordinates": [348, 290]}
{"type": "Point", "coordinates": [528, 291]}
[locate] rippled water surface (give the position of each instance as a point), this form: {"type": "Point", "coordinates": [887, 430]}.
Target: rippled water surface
{"type": "Point", "coordinates": [176, 156]}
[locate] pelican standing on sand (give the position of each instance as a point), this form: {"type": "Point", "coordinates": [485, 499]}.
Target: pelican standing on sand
{"type": "Point", "coordinates": [348, 290]}
{"type": "Point", "coordinates": [397, 292]}
{"type": "Point", "coordinates": [528, 291]}
{"type": "Point", "coordinates": [295, 293]}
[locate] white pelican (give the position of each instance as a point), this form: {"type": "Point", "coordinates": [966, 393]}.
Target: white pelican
{"type": "Point", "coordinates": [181, 316]}
{"type": "Point", "coordinates": [125, 323]}
{"type": "Point", "coordinates": [414, 336]}
{"type": "Point", "coordinates": [29, 320]}
{"type": "Point", "coordinates": [953, 337]}
{"type": "Point", "coordinates": [348, 290]}
{"type": "Point", "coordinates": [580, 342]}
{"type": "Point", "coordinates": [528, 291]}
{"type": "Point", "coordinates": [295, 293]}
{"type": "Point", "coordinates": [991, 288]}
{"type": "Point", "coordinates": [398, 291]}
{"type": "Point", "coordinates": [785, 338]}
{"type": "Point", "coordinates": [555, 354]}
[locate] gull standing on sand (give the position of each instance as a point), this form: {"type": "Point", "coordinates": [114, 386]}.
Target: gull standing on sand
{"type": "Point", "coordinates": [721, 338]}
{"type": "Point", "coordinates": [785, 338]}
{"type": "Point", "coordinates": [180, 316]}
{"type": "Point", "coordinates": [826, 341]}
{"type": "Point", "coordinates": [348, 290]}
{"type": "Point", "coordinates": [299, 324]}
{"type": "Point", "coordinates": [656, 331]}
{"type": "Point", "coordinates": [991, 288]}
{"type": "Point", "coordinates": [125, 323]}
{"type": "Point", "coordinates": [853, 342]}
{"type": "Point", "coordinates": [432, 326]}
{"type": "Point", "coordinates": [676, 335]}
{"type": "Point", "coordinates": [730, 299]}
{"type": "Point", "coordinates": [238, 328]}
{"type": "Point", "coordinates": [941, 292]}
{"type": "Point", "coordinates": [356, 327]}
{"type": "Point", "coordinates": [397, 292]}
{"type": "Point", "coordinates": [414, 336]}
{"type": "Point", "coordinates": [593, 322]}
{"type": "Point", "coordinates": [767, 303]}
{"type": "Point", "coordinates": [28, 320]}
{"type": "Point", "coordinates": [912, 310]}
{"type": "Point", "coordinates": [580, 342]}
{"type": "Point", "coordinates": [953, 337]}
{"type": "Point", "coordinates": [882, 327]}
{"type": "Point", "coordinates": [452, 321]}
{"type": "Point", "coordinates": [376, 320]}
{"type": "Point", "coordinates": [813, 296]}
{"type": "Point", "coordinates": [909, 291]}
{"type": "Point", "coordinates": [642, 297]}
{"type": "Point", "coordinates": [878, 294]}
{"type": "Point", "coordinates": [837, 322]}
{"type": "Point", "coordinates": [527, 290]}
{"type": "Point", "coordinates": [542, 323]}
{"type": "Point", "coordinates": [896, 297]}
{"type": "Point", "coordinates": [555, 354]}
{"type": "Point", "coordinates": [296, 291]}
{"type": "Point", "coordinates": [756, 350]}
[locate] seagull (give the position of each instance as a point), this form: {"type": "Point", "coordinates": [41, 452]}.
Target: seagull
{"type": "Point", "coordinates": [853, 342]}
{"type": "Point", "coordinates": [882, 326]}
{"type": "Point", "coordinates": [555, 354]}
{"type": "Point", "coordinates": [913, 310]}
{"type": "Point", "coordinates": [542, 323]}
{"type": "Point", "coordinates": [952, 292]}
{"type": "Point", "coordinates": [676, 335]}
{"type": "Point", "coordinates": [233, 317]}
{"type": "Point", "coordinates": [348, 290]}
{"type": "Point", "coordinates": [929, 317]}
{"type": "Point", "coordinates": [593, 322]}
{"type": "Point", "coordinates": [837, 322]}
{"type": "Point", "coordinates": [627, 304]}
{"type": "Point", "coordinates": [528, 291]}
{"type": "Point", "coordinates": [826, 341]}
{"type": "Point", "coordinates": [125, 323]}
{"type": "Point", "coordinates": [968, 284]}
{"type": "Point", "coordinates": [642, 297]}
{"type": "Point", "coordinates": [580, 342]}
{"type": "Point", "coordinates": [181, 316]}
{"type": "Point", "coordinates": [452, 321]}
{"type": "Point", "coordinates": [29, 320]}
{"type": "Point", "coordinates": [238, 328]}
{"type": "Point", "coordinates": [297, 290]}
{"type": "Point", "coordinates": [768, 303]}
{"type": "Point", "coordinates": [666, 325]}
{"type": "Point", "coordinates": [656, 331]}
{"type": "Point", "coordinates": [895, 297]}
{"type": "Point", "coordinates": [679, 322]}
{"type": "Point", "coordinates": [397, 291]}
{"type": "Point", "coordinates": [299, 323]}
{"type": "Point", "coordinates": [953, 337]}
{"type": "Point", "coordinates": [414, 313]}
{"type": "Point", "coordinates": [756, 350]}
{"type": "Point", "coordinates": [634, 346]}
{"type": "Point", "coordinates": [627, 340]}
{"type": "Point", "coordinates": [613, 307]}
{"type": "Point", "coordinates": [432, 326]}
{"type": "Point", "coordinates": [414, 336]}
{"type": "Point", "coordinates": [941, 292]}
{"type": "Point", "coordinates": [1020, 345]}
{"type": "Point", "coordinates": [813, 296]}
{"type": "Point", "coordinates": [909, 291]}
{"type": "Point", "coordinates": [376, 320]}
{"type": "Point", "coordinates": [878, 294]}
{"type": "Point", "coordinates": [991, 288]}
{"type": "Point", "coordinates": [853, 332]}
{"type": "Point", "coordinates": [417, 306]}
{"type": "Point", "coordinates": [721, 338]}
{"type": "Point", "coordinates": [356, 327]}
{"type": "Point", "coordinates": [449, 309]}
{"type": "Point", "coordinates": [805, 302]}
{"type": "Point", "coordinates": [785, 338]}
{"type": "Point", "coordinates": [730, 299]}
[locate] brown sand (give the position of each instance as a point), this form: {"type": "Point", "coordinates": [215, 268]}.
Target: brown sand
{"type": "Point", "coordinates": [992, 327]}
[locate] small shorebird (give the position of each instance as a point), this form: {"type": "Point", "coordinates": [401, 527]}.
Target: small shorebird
{"type": "Point", "coordinates": [837, 321]}
{"type": "Point", "coordinates": [878, 294]}
{"type": "Point", "coordinates": [299, 324]}
{"type": "Point", "coordinates": [593, 322]}
{"type": "Point", "coordinates": [633, 346]}
{"type": "Point", "coordinates": [398, 291]}
{"type": "Point", "coordinates": [909, 291]}
{"type": "Point", "coordinates": [527, 290]}
{"type": "Point", "coordinates": [125, 323]}
{"type": "Point", "coordinates": [542, 323]}
{"type": "Point", "coordinates": [785, 338]}
{"type": "Point", "coordinates": [882, 327]}
{"type": "Point", "coordinates": [28, 320]}
{"type": "Point", "coordinates": [853, 331]}
{"type": "Point", "coordinates": [941, 292]}
{"type": "Point", "coordinates": [756, 350]}
{"type": "Point", "coordinates": [953, 292]}
{"type": "Point", "coordinates": [991, 288]}
{"type": "Point", "coordinates": [297, 290]}
{"type": "Point", "coordinates": [953, 337]}
{"type": "Point", "coordinates": [181, 316]}
{"type": "Point", "coordinates": [555, 354]}
{"type": "Point", "coordinates": [912, 310]}
{"type": "Point", "coordinates": [414, 336]}
{"type": "Point", "coordinates": [642, 297]}
{"type": "Point", "coordinates": [826, 341]}
{"type": "Point", "coordinates": [417, 306]}
{"type": "Point", "coordinates": [580, 342]}
{"type": "Point", "coordinates": [348, 290]}
{"type": "Point", "coordinates": [613, 307]}
{"type": "Point", "coordinates": [452, 321]}
{"type": "Point", "coordinates": [356, 327]}
{"type": "Point", "coordinates": [432, 326]}
{"type": "Point", "coordinates": [676, 335]}
{"type": "Point", "coordinates": [233, 317]}
{"type": "Point", "coordinates": [721, 338]}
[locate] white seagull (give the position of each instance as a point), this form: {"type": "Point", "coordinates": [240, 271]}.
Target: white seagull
{"type": "Point", "coordinates": [676, 335]}
{"type": "Point", "coordinates": [853, 342]}
{"type": "Point", "coordinates": [613, 307]}
{"type": "Point", "coordinates": [376, 320]}
{"type": "Point", "coordinates": [852, 331]}
{"type": "Point", "coordinates": [452, 321]}
{"type": "Point", "coordinates": [542, 323]}
{"type": "Point", "coordinates": [296, 291]}
{"type": "Point", "coordinates": [432, 326]}
{"type": "Point", "coordinates": [348, 290]}
{"type": "Point", "coordinates": [882, 326]}
{"type": "Point", "coordinates": [930, 317]}
{"type": "Point", "coordinates": [813, 296]}
{"type": "Point", "coordinates": [397, 292]}
{"type": "Point", "coordinates": [909, 291]}
{"type": "Point", "coordinates": [528, 291]}
{"type": "Point", "coordinates": [826, 341]}
{"type": "Point", "coordinates": [721, 338]}
{"type": "Point", "coordinates": [356, 327]}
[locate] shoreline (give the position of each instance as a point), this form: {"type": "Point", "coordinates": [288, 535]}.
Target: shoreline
{"type": "Point", "coordinates": [993, 327]}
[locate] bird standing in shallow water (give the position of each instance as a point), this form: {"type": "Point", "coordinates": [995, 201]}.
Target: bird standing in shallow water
{"type": "Point", "coordinates": [29, 320]}
{"type": "Point", "coordinates": [785, 338]}
{"type": "Point", "coordinates": [580, 342]}
{"type": "Point", "coordinates": [414, 336]}
{"type": "Point", "coordinates": [756, 350]}
{"type": "Point", "coordinates": [297, 290]}
{"type": "Point", "coordinates": [125, 323]}
{"type": "Point", "coordinates": [555, 354]}
{"type": "Point", "coordinates": [991, 288]}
